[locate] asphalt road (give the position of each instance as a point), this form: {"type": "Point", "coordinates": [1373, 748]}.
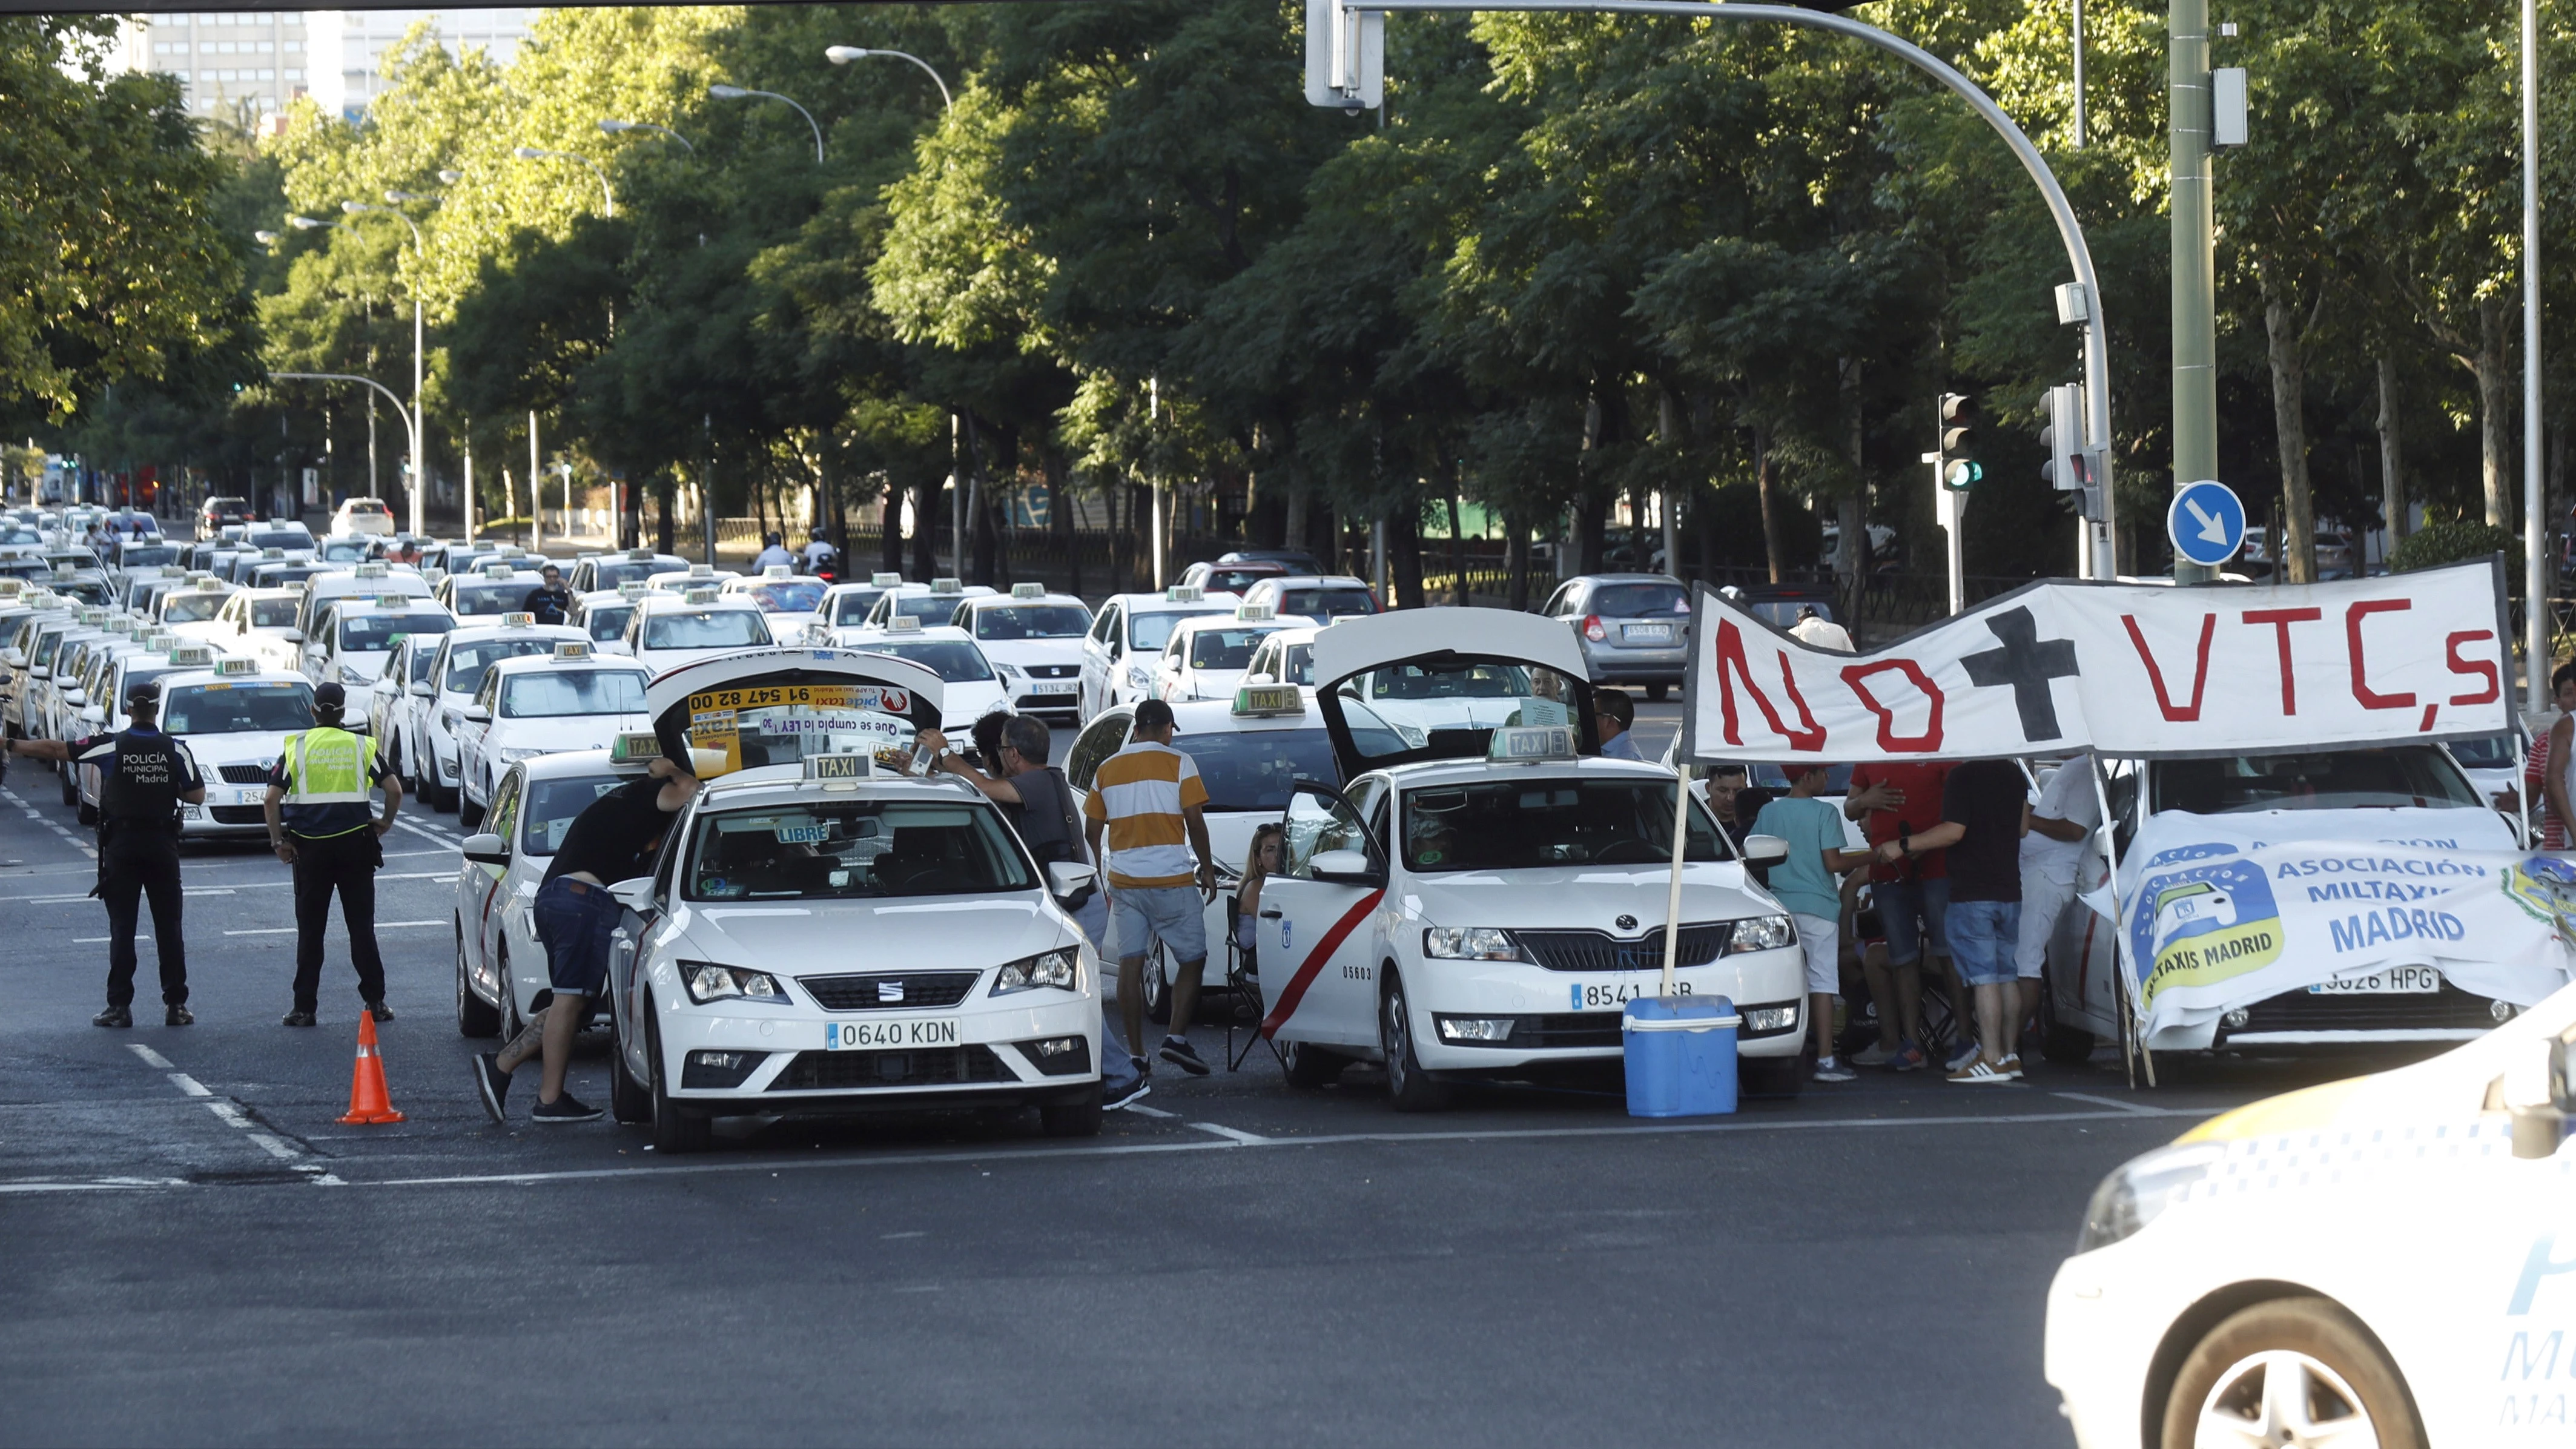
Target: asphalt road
{"type": "Point", "coordinates": [197, 1252]}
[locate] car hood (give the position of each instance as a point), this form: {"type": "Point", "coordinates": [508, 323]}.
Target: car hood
{"type": "Point", "coordinates": [1032, 651]}
{"type": "Point", "coordinates": [1583, 897]}
{"type": "Point", "coordinates": [558, 733]}
{"type": "Point", "coordinates": [812, 937]}
{"type": "Point", "coordinates": [250, 747]}
{"type": "Point", "coordinates": [1213, 683]}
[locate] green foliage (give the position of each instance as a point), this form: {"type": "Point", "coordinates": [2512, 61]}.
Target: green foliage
{"type": "Point", "coordinates": [2448, 543]}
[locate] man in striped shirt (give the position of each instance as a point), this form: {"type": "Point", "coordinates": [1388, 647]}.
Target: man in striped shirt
{"type": "Point", "coordinates": [1148, 799]}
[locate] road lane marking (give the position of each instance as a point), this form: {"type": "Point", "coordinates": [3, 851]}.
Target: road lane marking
{"type": "Point", "coordinates": [1234, 1134]}
{"type": "Point", "coordinates": [227, 1111]}
{"type": "Point", "coordinates": [95, 940]}
{"type": "Point", "coordinates": [264, 931]}
{"type": "Point", "coordinates": [2133, 1108]}
{"type": "Point", "coordinates": [40, 818]}
{"type": "Point", "coordinates": [207, 891]}
{"type": "Point", "coordinates": [276, 1148]}
{"type": "Point", "coordinates": [151, 1058]}
{"type": "Point", "coordinates": [189, 1085]}
{"type": "Point", "coordinates": [1141, 1110]}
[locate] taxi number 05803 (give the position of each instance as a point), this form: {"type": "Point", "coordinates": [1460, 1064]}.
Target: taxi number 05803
{"type": "Point", "coordinates": [1606, 996]}
{"type": "Point", "coordinates": [845, 1036]}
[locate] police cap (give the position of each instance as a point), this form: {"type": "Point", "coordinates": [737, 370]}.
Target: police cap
{"type": "Point", "coordinates": [329, 695]}
{"type": "Point", "coordinates": [146, 695]}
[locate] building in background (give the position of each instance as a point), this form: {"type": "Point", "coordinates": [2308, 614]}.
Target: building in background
{"type": "Point", "coordinates": [348, 47]}
{"type": "Point", "coordinates": [243, 66]}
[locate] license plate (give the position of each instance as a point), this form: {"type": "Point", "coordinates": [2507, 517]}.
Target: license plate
{"type": "Point", "coordinates": [858, 1036]}
{"type": "Point", "coordinates": [2418, 980]}
{"type": "Point", "coordinates": [1612, 995]}
{"type": "Point", "coordinates": [1045, 688]}
{"type": "Point", "coordinates": [249, 797]}
{"type": "Point", "coordinates": [1647, 633]}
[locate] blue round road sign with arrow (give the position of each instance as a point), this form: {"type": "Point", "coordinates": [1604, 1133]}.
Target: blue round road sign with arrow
{"type": "Point", "coordinates": [2206, 523]}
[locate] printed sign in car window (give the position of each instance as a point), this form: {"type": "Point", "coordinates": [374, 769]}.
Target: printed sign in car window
{"type": "Point", "coordinates": [782, 724]}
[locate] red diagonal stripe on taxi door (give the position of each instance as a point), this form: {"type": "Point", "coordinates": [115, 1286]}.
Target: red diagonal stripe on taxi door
{"type": "Point", "coordinates": [1295, 990]}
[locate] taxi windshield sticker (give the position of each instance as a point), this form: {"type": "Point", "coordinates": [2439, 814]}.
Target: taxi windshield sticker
{"type": "Point", "coordinates": [781, 724]}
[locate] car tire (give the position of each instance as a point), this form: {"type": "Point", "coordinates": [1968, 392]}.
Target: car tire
{"type": "Point", "coordinates": [675, 1128]}
{"type": "Point", "coordinates": [1656, 692]}
{"type": "Point", "coordinates": [1408, 1087]}
{"type": "Point", "coordinates": [1775, 1077]}
{"type": "Point", "coordinates": [1072, 1119]}
{"type": "Point", "coordinates": [71, 787]}
{"type": "Point", "coordinates": [629, 1101]}
{"type": "Point", "coordinates": [468, 814]}
{"type": "Point", "coordinates": [475, 1017]}
{"type": "Point", "coordinates": [1157, 989]}
{"type": "Point", "coordinates": [1307, 1065]}
{"type": "Point", "coordinates": [2334, 1364]}
{"type": "Point", "coordinates": [507, 1013]}
{"type": "Point", "coordinates": [2067, 1046]}
{"type": "Point", "coordinates": [87, 812]}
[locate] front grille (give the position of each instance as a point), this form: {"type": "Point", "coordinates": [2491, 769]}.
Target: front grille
{"type": "Point", "coordinates": [929, 1067]}
{"type": "Point", "coordinates": [1044, 702]}
{"type": "Point", "coordinates": [243, 774]}
{"type": "Point", "coordinates": [2299, 1011]}
{"type": "Point", "coordinates": [237, 814]}
{"type": "Point", "coordinates": [1600, 951]}
{"type": "Point", "coordinates": [1051, 671]}
{"type": "Point", "coordinates": [866, 993]}
{"type": "Point", "coordinates": [1566, 1029]}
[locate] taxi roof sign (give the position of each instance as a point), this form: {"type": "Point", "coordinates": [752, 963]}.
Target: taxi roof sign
{"type": "Point", "coordinates": [392, 601]}
{"type": "Point", "coordinates": [639, 555]}
{"type": "Point", "coordinates": [779, 571]}
{"type": "Point", "coordinates": [236, 665]}
{"type": "Point", "coordinates": [517, 620]}
{"type": "Point", "coordinates": [572, 649]}
{"type": "Point", "coordinates": [1255, 613]}
{"type": "Point", "coordinates": [634, 747]}
{"type": "Point", "coordinates": [497, 570]}
{"type": "Point", "coordinates": [192, 656]}
{"type": "Point", "coordinates": [11, 588]}
{"type": "Point", "coordinates": [1184, 594]}
{"type": "Point", "coordinates": [946, 586]}
{"type": "Point", "coordinates": [272, 553]}
{"type": "Point", "coordinates": [903, 624]}
{"type": "Point", "coordinates": [703, 596]}
{"type": "Point", "coordinates": [840, 767]}
{"type": "Point", "coordinates": [1028, 591]}
{"type": "Point", "coordinates": [1530, 744]}
{"type": "Point", "coordinates": [373, 569]}
{"type": "Point", "coordinates": [702, 571]}
{"type": "Point", "coordinates": [632, 590]}
{"type": "Point", "coordinates": [1256, 701]}
{"type": "Point", "coordinates": [882, 580]}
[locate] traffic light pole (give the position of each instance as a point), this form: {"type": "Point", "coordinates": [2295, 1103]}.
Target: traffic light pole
{"type": "Point", "coordinates": [1348, 71]}
{"type": "Point", "coordinates": [2195, 304]}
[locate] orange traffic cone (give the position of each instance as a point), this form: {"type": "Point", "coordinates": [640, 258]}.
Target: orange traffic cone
{"type": "Point", "coordinates": [368, 1099]}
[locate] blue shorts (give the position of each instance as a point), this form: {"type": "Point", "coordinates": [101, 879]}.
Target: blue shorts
{"type": "Point", "coordinates": [1173, 915]}
{"type": "Point", "coordinates": [1905, 907]}
{"type": "Point", "coordinates": [574, 919]}
{"type": "Point", "coordinates": [1985, 939]}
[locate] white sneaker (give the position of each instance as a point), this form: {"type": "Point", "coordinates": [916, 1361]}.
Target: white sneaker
{"type": "Point", "coordinates": [1878, 1054]}
{"type": "Point", "coordinates": [1979, 1073]}
{"type": "Point", "coordinates": [1965, 1053]}
{"type": "Point", "coordinates": [1830, 1070]}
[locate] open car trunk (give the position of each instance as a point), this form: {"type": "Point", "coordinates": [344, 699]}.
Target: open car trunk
{"type": "Point", "coordinates": [1434, 684]}
{"type": "Point", "coordinates": [776, 706]}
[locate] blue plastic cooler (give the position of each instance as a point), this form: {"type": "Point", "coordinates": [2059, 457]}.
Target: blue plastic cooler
{"type": "Point", "coordinates": [1681, 1055]}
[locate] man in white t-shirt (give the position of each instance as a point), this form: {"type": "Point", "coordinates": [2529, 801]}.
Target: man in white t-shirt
{"type": "Point", "coordinates": [2065, 818]}
{"type": "Point", "coordinates": [1818, 632]}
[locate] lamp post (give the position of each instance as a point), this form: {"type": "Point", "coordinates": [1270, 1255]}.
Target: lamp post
{"type": "Point", "coordinates": [844, 54]}
{"type": "Point", "coordinates": [420, 263]}
{"type": "Point", "coordinates": [614, 127]}
{"type": "Point", "coordinates": [738, 93]}
{"type": "Point", "coordinates": [539, 153]}
{"type": "Point", "coordinates": [411, 421]}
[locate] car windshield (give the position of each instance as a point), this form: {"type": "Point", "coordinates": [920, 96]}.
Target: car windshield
{"type": "Point", "coordinates": [853, 850]}
{"type": "Point", "coordinates": [230, 709]}
{"type": "Point", "coordinates": [191, 608]}
{"type": "Point", "coordinates": [1032, 621]}
{"type": "Point", "coordinates": [954, 660]}
{"type": "Point", "coordinates": [1519, 824]}
{"type": "Point", "coordinates": [2401, 775]}
{"type": "Point", "coordinates": [149, 555]}
{"type": "Point", "coordinates": [550, 806]}
{"type": "Point", "coordinates": [466, 662]}
{"type": "Point", "coordinates": [90, 592]}
{"type": "Point", "coordinates": [20, 535]}
{"type": "Point", "coordinates": [1324, 603]}
{"type": "Point", "coordinates": [272, 613]}
{"type": "Point", "coordinates": [930, 609]}
{"type": "Point", "coordinates": [705, 629]}
{"type": "Point", "coordinates": [852, 608]}
{"type": "Point", "coordinates": [1224, 578]}
{"type": "Point", "coordinates": [1452, 709]}
{"type": "Point", "coordinates": [1298, 661]}
{"type": "Point", "coordinates": [608, 621]}
{"type": "Point", "coordinates": [1153, 631]}
{"type": "Point", "coordinates": [1224, 648]}
{"type": "Point", "coordinates": [375, 633]}
{"type": "Point", "coordinates": [788, 596]}
{"type": "Point", "coordinates": [278, 576]}
{"type": "Point", "coordinates": [1632, 601]}
{"type": "Point", "coordinates": [609, 573]}
{"type": "Point", "coordinates": [500, 596]}
{"type": "Point", "coordinates": [278, 538]}
{"type": "Point", "coordinates": [340, 550]}
{"type": "Point", "coordinates": [2486, 752]}
{"type": "Point", "coordinates": [573, 691]}
{"type": "Point", "coordinates": [1252, 769]}
{"type": "Point", "coordinates": [356, 506]}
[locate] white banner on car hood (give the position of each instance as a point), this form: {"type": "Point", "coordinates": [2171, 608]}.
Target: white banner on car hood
{"type": "Point", "coordinates": [2218, 917]}
{"type": "Point", "coordinates": [2137, 670]}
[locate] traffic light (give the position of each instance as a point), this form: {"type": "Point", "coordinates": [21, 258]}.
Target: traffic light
{"type": "Point", "coordinates": [1959, 470]}
{"type": "Point", "coordinates": [2063, 439]}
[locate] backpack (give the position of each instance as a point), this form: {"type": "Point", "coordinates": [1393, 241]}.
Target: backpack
{"type": "Point", "coordinates": [1048, 823]}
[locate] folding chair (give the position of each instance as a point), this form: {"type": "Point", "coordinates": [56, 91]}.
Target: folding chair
{"type": "Point", "coordinates": [1244, 982]}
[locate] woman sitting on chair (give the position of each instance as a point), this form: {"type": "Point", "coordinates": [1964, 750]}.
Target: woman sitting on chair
{"type": "Point", "coordinates": [1266, 841]}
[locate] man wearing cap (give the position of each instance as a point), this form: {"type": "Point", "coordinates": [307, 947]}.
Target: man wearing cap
{"type": "Point", "coordinates": [550, 601]}
{"type": "Point", "coordinates": [144, 776]}
{"type": "Point", "coordinates": [319, 824]}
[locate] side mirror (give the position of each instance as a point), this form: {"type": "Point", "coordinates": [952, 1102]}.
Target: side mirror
{"type": "Point", "coordinates": [635, 894]}
{"type": "Point", "coordinates": [487, 849]}
{"type": "Point", "coordinates": [293, 636]}
{"type": "Point", "coordinates": [419, 689]}
{"type": "Point", "coordinates": [72, 694]}
{"type": "Point", "coordinates": [355, 724]}
{"type": "Point", "coordinates": [478, 714]}
{"type": "Point", "coordinates": [93, 716]}
{"type": "Point", "coordinates": [1066, 879]}
{"type": "Point", "coordinates": [1350, 866]}
{"type": "Point", "coordinates": [1765, 850]}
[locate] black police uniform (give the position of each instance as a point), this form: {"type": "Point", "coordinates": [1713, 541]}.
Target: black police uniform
{"type": "Point", "coordinates": [142, 774]}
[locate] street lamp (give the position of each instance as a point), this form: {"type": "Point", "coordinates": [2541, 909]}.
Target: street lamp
{"type": "Point", "coordinates": [420, 260]}
{"type": "Point", "coordinates": [411, 420]}
{"type": "Point", "coordinates": [614, 127]}
{"type": "Point", "coordinates": [539, 153]}
{"type": "Point", "coordinates": [451, 177]}
{"type": "Point", "coordinates": [736, 93]}
{"type": "Point", "coordinates": [265, 238]}
{"type": "Point", "coordinates": [844, 54]}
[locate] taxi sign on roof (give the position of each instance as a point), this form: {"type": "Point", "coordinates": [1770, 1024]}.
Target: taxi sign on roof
{"type": "Point", "coordinates": [1532, 743]}
{"type": "Point", "coordinates": [1259, 700]}
{"type": "Point", "coordinates": [1028, 591]}
{"type": "Point", "coordinates": [632, 591]}
{"type": "Point", "coordinates": [192, 656]}
{"type": "Point", "coordinates": [11, 588]}
{"type": "Point", "coordinates": [634, 747]}
{"type": "Point", "coordinates": [498, 571]}
{"type": "Point", "coordinates": [840, 767]}
{"type": "Point", "coordinates": [272, 553]}
{"type": "Point", "coordinates": [517, 620]}
{"type": "Point", "coordinates": [236, 666]}
{"type": "Point", "coordinates": [702, 571]}
{"type": "Point", "coordinates": [572, 649]}
{"type": "Point", "coordinates": [639, 555]}
{"type": "Point", "coordinates": [702, 596]}
{"type": "Point", "coordinates": [946, 586]}
{"type": "Point", "coordinates": [391, 601]}
{"type": "Point", "coordinates": [93, 618]}
{"type": "Point", "coordinates": [1184, 594]}
{"type": "Point", "coordinates": [198, 576]}
{"type": "Point", "coordinates": [1255, 613]}
{"type": "Point", "coordinates": [903, 624]}
{"type": "Point", "coordinates": [779, 571]}
{"type": "Point", "coordinates": [884, 580]}
{"type": "Point", "coordinates": [372, 569]}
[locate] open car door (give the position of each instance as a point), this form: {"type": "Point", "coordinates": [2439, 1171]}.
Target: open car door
{"type": "Point", "coordinates": [1434, 684]}
{"type": "Point", "coordinates": [1315, 921]}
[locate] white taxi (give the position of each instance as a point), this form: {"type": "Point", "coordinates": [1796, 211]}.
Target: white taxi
{"type": "Point", "coordinates": [603, 614]}
{"type": "Point", "coordinates": [975, 687]}
{"type": "Point", "coordinates": [105, 712]}
{"type": "Point", "coordinates": [676, 627]}
{"type": "Point", "coordinates": [438, 696]}
{"type": "Point", "coordinates": [2383, 1261]}
{"type": "Point", "coordinates": [1487, 902]}
{"type": "Point", "coordinates": [1208, 658]}
{"type": "Point", "coordinates": [359, 635]}
{"type": "Point", "coordinates": [539, 704]}
{"type": "Point", "coordinates": [821, 938]}
{"type": "Point", "coordinates": [790, 599]}
{"type": "Point", "coordinates": [1284, 656]}
{"type": "Point", "coordinates": [1126, 642]}
{"type": "Point", "coordinates": [696, 576]}
{"type": "Point", "coordinates": [933, 604]}
{"type": "Point", "coordinates": [847, 606]}
{"type": "Point", "coordinates": [196, 600]}
{"type": "Point", "coordinates": [1034, 639]}
{"type": "Point", "coordinates": [495, 586]}
{"type": "Point", "coordinates": [500, 964]}
{"type": "Point", "coordinates": [234, 718]}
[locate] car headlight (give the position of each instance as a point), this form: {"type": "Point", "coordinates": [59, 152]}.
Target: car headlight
{"type": "Point", "coordinates": [511, 756]}
{"type": "Point", "coordinates": [1060, 968]}
{"type": "Point", "coordinates": [1469, 943]}
{"type": "Point", "coordinates": [352, 676]}
{"type": "Point", "coordinates": [708, 981]}
{"type": "Point", "coordinates": [1139, 677]}
{"type": "Point", "coordinates": [1007, 671]}
{"type": "Point", "coordinates": [2140, 1189]}
{"type": "Point", "coordinates": [1761, 933]}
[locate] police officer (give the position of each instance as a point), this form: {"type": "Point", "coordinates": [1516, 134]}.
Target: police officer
{"type": "Point", "coordinates": [144, 776]}
{"type": "Point", "coordinates": [318, 823]}
{"type": "Point", "coordinates": [550, 601]}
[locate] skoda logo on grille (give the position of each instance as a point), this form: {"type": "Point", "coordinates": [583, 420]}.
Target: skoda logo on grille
{"type": "Point", "coordinates": [1626, 923]}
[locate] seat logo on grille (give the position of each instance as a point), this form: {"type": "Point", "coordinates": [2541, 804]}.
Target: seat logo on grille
{"type": "Point", "coordinates": [889, 991]}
